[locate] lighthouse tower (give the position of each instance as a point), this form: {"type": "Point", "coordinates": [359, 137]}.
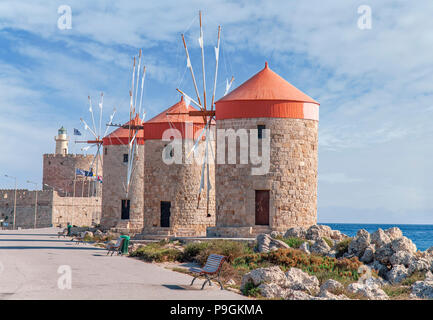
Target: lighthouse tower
{"type": "Point", "coordinates": [285, 195]}
{"type": "Point", "coordinates": [62, 141]}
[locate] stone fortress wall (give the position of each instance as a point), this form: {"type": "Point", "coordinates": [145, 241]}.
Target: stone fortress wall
{"type": "Point", "coordinates": [52, 209]}
{"type": "Point", "coordinates": [59, 173]}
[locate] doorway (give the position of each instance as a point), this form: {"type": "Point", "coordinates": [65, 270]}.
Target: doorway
{"type": "Point", "coordinates": [262, 207]}
{"type": "Point", "coordinates": [165, 214]}
{"type": "Point", "coordinates": [125, 210]}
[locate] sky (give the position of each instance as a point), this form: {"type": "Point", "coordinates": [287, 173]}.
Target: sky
{"type": "Point", "coordinates": [374, 85]}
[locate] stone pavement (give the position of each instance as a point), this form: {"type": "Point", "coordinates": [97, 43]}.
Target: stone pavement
{"type": "Point", "coordinates": [30, 261]}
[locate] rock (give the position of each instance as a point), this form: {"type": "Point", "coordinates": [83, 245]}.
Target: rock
{"type": "Point", "coordinates": [380, 268]}
{"type": "Point", "coordinates": [384, 254]}
{"type": "Point", "coordinates": [300, 280]}
{"type": "Point", "coordinates": [230, 282]}
{"type": "Point", "coordinates": [332, 253]}
{"type": "Point", "coordinates": [368, 255]}
{"type": "Point", "coordinates": [419, 264]}
{"type": "Point", "coordinates": [98, 233]}
{"type": "Point", "coordinates": [88, 234]}
{"type": "Point", "coordinates": [359, 243]}
{"type": "Point", "coordinates": [376, 281]}
{"type": "Point", "coordinates": [305, 247]}
{"type": "Point", "coordinates": [295, 232]}
{"type": "Point", "coordinates": [371, 292]}
{"type": "Point", "coordinates": [332, 286]}
{"type": "Point", "coordinates": [316, 232]}
{"type": "Point", "coordinates": [397, 274]}
{"type": "Point", "coordinates": [265, 275]}
{"type": "Point", "coordinates": [275, 234]}
{"type": "Point", "coordinates": [429, 276]}
{"type": "Point", "coordinates": [401, 257]}
{"type": "Point", "coordinates": [329, 296]}
{"type": "Point", "coordinates": [265, 243]}
{"type": "Point", "coordinates": [298, 295]}
{"type": "Point", "coordinates": [423, 289]}
{"type": "Point", "coordinates": [337, 235]}
{"type": "Point", "coordinates": [394, 233]}
{"type": "Point", "coordinates": [273, 290]}
{"type": "Point", "coordinates": [380, 238]}
{"type": "Point", "coordinates": [320, 247]}
{"type": "Point", "coordinates": [403, 244]}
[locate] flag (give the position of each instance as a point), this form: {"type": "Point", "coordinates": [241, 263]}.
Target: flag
{"type": "Point", "coordinates": [217, 52]}
{"type": "Point", "coordinates": [80, 172]}
{"type": "Point", "coordinates": [88, 173]}
{"type": "Point", "coordinates": [77, 132]}
{"type": "Point", "coordinates": [200, 41]}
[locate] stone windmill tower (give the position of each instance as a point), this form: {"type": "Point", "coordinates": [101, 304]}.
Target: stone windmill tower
{"type": "Point", "coordinates": [286, 194]}
{"type": "Point", "coordinates": [171, 201]}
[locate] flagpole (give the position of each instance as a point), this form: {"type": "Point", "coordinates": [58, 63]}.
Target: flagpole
{"type": "Point", "coordinates": [73, 196]}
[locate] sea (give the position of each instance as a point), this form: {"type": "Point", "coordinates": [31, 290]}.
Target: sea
{"type": "Point", "coordinates": [420, 234]}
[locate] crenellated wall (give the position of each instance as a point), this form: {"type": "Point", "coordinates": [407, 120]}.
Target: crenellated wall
{"type": "Point", "coordinates": [59, 172]}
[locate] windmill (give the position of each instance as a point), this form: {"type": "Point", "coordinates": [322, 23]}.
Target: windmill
{"type": "Point", "coordinates": [94, 142]}
{"type": "Point", "coordinates": [206, 111]}
{"type": "Point", "coordinates": [136, 116]}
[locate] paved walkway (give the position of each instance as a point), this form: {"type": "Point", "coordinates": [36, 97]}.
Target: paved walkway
{"type": "Point", "coordinates": [30, 261]}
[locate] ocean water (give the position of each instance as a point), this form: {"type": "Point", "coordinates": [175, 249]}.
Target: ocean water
{"type": "Point", "coordinates": [420, 234]}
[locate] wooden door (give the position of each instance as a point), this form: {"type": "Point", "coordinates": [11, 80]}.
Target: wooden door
{"type": "Point", "coordinates": [262, 207]}
{"type": "Point", "coordinates": [165, 214]}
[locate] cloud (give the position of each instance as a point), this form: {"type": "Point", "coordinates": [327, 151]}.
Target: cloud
{"type": "Point", "coordinates": [374, 86]}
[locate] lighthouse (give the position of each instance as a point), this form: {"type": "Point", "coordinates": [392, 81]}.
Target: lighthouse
{"type": "Point", "coordinates": [62, 141]}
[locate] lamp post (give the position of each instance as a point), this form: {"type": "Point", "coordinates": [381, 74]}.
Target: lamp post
{"type": "Point", "coordinates": [15, 198]}
{"type": "Point", "coordinates": [36, 200]}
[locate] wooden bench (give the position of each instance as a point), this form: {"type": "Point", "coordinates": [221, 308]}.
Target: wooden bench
{"type": "Point", "coordinates": [115, 247]}
{"type": "Point", "coordinates": [211, 270]}
{"type": "Point", "coordinates": [63, 233]}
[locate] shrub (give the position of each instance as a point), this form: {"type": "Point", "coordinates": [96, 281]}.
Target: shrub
{"type": "Point", "coordinates": [251, 290]}
{"type": "Point", "coordinates": [155, 252]}
{"type": "Point", "coordinates": [342, 247]}
{"type": "Point", "coordinates": [397, 292]}
{"type": "Point", "coordinates": [292, 242]}
{"type": "Point", "coordinates": [344, 270]}
{"type": "Point", "coordinates": [193, 249]}
{"type": "Point", "coordinates": [416, 276]}
{"type": "Point", "coordinates": [329, 242]}
{"type": "Point", "coordinates": [230, 249]}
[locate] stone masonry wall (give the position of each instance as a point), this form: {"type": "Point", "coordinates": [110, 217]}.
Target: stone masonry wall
{"type": "Point", "coordinates": [25, 208]}
{"type": "Point", "coordinates": [59, 172]}
{"type": "Point", "coordinates": [113, 190]}
{"type": "Point", "coordinates": [179, 184]}
{"type": "Point", "coordinates": [292, 178]}
{"type": "Point", "coordinates": [84, 211]}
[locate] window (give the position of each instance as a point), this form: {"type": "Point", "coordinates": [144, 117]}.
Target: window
{"type": "Point", "coordinates": [168, 152]}
{"type": "Point", "coordinates": [260, 129]}
{"type": "Point", "coordinates": [105, 151]}
{"type": "Point", "coordinates": [125, 210]}
{"type": "Point", "coordinates": [125, 158]}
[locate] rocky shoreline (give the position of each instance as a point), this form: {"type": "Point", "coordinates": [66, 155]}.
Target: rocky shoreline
{"type": "Point", "coordinates": [388, 259]}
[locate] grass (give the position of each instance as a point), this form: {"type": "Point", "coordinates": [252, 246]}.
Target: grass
{"type": "Point", "coordinates": [156, 252]}
{"type": "Point", "coordinates": [416, 276]}
{"type": "Point", "coordinates": [342, 247]}
{"type": "Point", "coordinates": [396, 292]}
{"type": "Point", "coordinates": [292, 242]}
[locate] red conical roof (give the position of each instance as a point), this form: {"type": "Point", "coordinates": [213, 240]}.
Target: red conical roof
{"type": "Point", "coordinates": [154, 128]}
{"type": "Point", "coordinates": [121, 135]}
{"type": "Point", "coordinates": [267, 85]}
{"type": "Point", "coordinates": [181, 108]}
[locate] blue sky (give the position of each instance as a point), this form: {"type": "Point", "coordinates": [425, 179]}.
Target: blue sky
{"type": "Point", "coordinates": [374, 86]}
